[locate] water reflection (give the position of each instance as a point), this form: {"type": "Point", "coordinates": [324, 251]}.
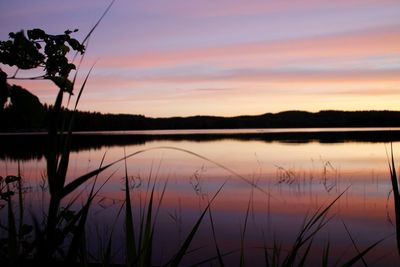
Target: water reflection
{"type": "Point", "coordinates": [299, 178]}
{"type": "Point", "coordinates": [33, 146]}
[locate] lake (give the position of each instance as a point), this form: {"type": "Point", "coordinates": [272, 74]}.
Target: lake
{"type": "Point", "coordinates": [271, 180]}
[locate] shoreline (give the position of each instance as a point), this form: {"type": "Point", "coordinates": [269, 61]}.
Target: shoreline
{"type": "Point", "coordinates": [23, 145]}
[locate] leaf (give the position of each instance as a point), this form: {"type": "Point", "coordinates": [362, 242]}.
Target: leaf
{"type": "Point", "coordinates": [20, 52]}
{"type": "Point", "coordinates": [64, 49]}
{"type": "Point", "coordinates": [6, 195]}
{"type": "Point", "coordinates": [36, 34]}
{"type": "Point", "coordinates": [63, 83]}
{"type": "Point", "coordinates": [11, 178]}
{"type": "Point", "coordinates": [76, 45]}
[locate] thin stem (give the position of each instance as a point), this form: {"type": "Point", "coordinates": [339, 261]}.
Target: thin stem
{"type": "Point", "coordinates": [16, 71]}
{"type": "Point", "coordinates": [26, 78]}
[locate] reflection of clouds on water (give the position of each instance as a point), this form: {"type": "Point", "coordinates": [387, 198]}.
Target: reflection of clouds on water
{"type": "Point", "coordinates": [299, 178]}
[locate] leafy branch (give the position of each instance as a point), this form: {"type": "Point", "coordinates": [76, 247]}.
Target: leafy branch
{"type": "Point", "coordinates": [38, 49]}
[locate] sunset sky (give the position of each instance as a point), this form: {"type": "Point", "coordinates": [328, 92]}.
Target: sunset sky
{"type": "Point", "coordinates": [164, 58]}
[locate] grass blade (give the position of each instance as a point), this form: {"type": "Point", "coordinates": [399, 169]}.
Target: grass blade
{"type": "Point", "coordinates": [130, 230]}
{"type": "Point", "coordinates": [276, 253]}
{"type": "Point", "coordinates": [81, 90]}
{"type": "Point", "coordinates": [312, 227]}
{"type": "Point", "coordinates": [148, 233]}
{"type": "Point", "coordinates": [325, 255]}
{"type": "Point", "coordinates": [209, 260]}
{"type": "Point", "coordinates": [304, 258]}
{"type": "Point", "coordinates": [72, 186]}
{"type": "Point", "coordinates": [242, 236]}
{"type": "Point", "coordinates": [98, 22]}
{"type": "Point", "coordinates": [79, 232]}
{"type": "Point", "coordinates": [182, 251]}
{"type": "Point", "coordinates": [12, 232]}
{"type": "Point", "coordinates": [354, 243]}
{"type": "Point", "coordinates": [20, 202]}
{"type": "Point", "coordinates": [241, 177]}
{"type": "Point", "coordinates": [359, 256]}
{"type": "Point", "coordinates": [265, 248]}
{"type": "Point", "coordinates": [219, 255]}
{"type": "Point", "coordinates": [396, 196]}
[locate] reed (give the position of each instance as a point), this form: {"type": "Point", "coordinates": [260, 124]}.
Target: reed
{"type": "Point", "coordinates": [300, 251]}
{"type": "Point", "coordinates": [396, 196]}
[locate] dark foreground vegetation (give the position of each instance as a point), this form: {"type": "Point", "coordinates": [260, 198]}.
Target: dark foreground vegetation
{"type": "Point", "coordinates": [57, 236]}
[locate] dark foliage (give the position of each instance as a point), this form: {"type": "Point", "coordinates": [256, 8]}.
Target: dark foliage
{"type": "Point", "coordinates": [16, 118]}
{"type": "Point", "coordinates": [39, 49]}
{"type": "Point", "coordinates": [86, 121]}
{"type": "Point", "coordinates": [25, 112]}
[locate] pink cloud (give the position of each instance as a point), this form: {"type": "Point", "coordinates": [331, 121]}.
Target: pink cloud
{"type": "Point", "coordinates": [362, 44]}
{"type": "Point", "coordinates": [255, 76]}
{"type": "Point", "coordinates": [240, 8]}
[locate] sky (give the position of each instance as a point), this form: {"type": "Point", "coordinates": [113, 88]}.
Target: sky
{"type": "Point", "coordinates": [163, 58]}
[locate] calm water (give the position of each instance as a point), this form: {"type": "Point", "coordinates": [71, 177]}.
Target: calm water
{"type": "Point", "coordinates": [295, 180]}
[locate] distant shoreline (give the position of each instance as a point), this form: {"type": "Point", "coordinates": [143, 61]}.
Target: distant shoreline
{"type": "Point", "coordinates": [33, 145]}
{"type": "Point", "coordinates": [94, 121]}
{"type": "Point", "coordinates": [230, 131]}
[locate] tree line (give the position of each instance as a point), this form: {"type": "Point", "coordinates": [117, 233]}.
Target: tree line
{"type": "Point", "coordinates": [24, 112]}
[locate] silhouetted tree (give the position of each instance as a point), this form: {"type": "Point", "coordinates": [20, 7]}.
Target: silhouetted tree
{"type": "Point", "coordinates": [3, 90]}
{"type": "Point", "coordinates": [33, 50]}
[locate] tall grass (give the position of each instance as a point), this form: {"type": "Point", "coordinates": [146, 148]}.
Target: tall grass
{"type": "Point", "coordinates": [396, 196]}
{"type": "Point", "coordinates": [62, 232]}
{"type": "Point", "coordinates": [61, 237]}
{"type": "Point", "coordinates": [52, 237]}
{"type": "Point", "coordinates": [300, 251]}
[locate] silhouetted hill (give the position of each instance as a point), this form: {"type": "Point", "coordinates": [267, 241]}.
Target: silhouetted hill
{"type": "Point", "coordinates": [85, 121]}
{"type": "Point", "coordinates": [26, 113]}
